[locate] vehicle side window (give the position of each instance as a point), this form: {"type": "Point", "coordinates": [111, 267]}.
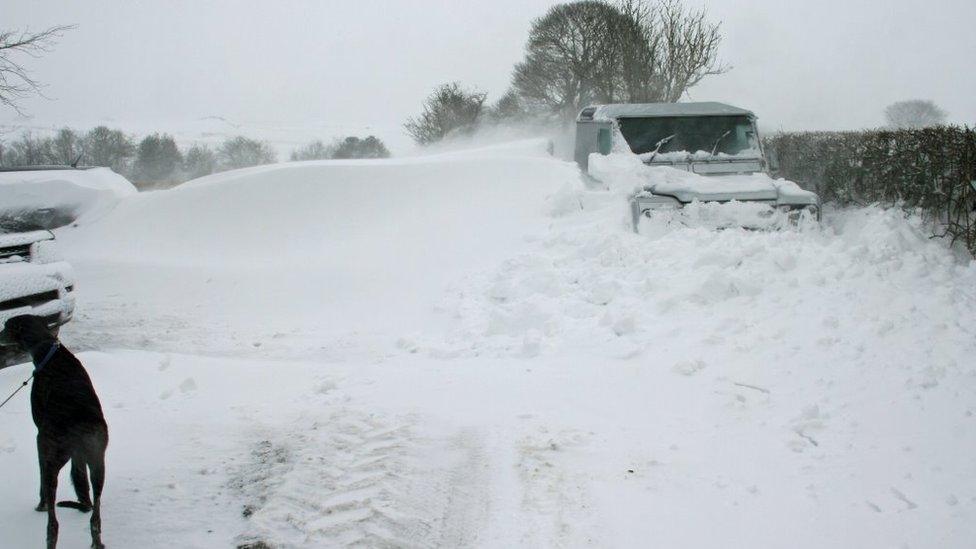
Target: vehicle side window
{"type": "Point", "coordinates": [603, 141]}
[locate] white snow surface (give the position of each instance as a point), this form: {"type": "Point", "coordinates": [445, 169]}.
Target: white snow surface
{"type": "Point", "coordinates": [475, 350]}
{"type": "Point", "coordinates": [80, 192]}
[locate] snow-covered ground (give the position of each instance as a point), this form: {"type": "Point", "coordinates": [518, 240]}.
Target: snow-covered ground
{"type": "Point", "coordinates": [475, 350]}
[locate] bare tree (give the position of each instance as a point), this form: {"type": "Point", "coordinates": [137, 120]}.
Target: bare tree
{"type": "Point", "coordinates": [30, 151]}
{"type": "Point", "coordinates": [450, 109]}
{"type": "Point", "coordinates": [241, 152]}
{"type": "Point", "coordinates": [509, 107]}
{"type": "Point", "coordinates": [109, 148]}
{"type": "Point", "coordinates": [630, 51]}
{"type": "Point", "coordinates": [573, 57]}
{"type": "Point", "coordinates": [158, 162]}
{"type": "Point", "coordinates": [914, 113]}
{"type": "Point", "coordinates": [199, 161]}
{"type": "Point", "coordinates": [343, 148]}
{"type": "Point", "coordinates": [16, 81]}
{"type": "Point", "coordinates": [640, 53]}
{"type": "Point", "coordinates": [687, 46]}
{"type": "Point", "coordinates": [65, 147]}
{"type": "Point", "coordinates": [316, 150]}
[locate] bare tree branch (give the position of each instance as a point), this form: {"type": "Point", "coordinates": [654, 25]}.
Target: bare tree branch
{"type": "Point", "coordinates": [914, 113]}
{"type": "Point", "coordinates": [16, 81]}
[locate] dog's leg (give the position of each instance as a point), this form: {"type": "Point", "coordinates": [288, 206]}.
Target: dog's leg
{"type": "Point", "coordinates": [41, 505]}
{"type": "Point", "coordinates": [97, 465]}
{"type": "Point", "coordinates": [49, 479]}
{"type": "Point", "coordinates": [79, 479]}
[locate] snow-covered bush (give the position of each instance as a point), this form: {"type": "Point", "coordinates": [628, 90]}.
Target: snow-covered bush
{"type": "Point", "coordinates": [242, 152]}
{"type": "Point", "coordinates": [450, 109]}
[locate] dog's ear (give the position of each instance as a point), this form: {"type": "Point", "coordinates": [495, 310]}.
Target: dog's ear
{"type": "Point", "coordinates": [28, 331]}
{"type": "Point", "coordinates": [12, 327]}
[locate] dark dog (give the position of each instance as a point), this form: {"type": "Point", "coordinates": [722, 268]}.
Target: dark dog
{"type": "Point", "coordinates": [70, 424]}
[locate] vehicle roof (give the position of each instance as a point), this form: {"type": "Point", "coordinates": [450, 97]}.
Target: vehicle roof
{"type": "Point", "coordinates": [43, 167]}
{"type": "Point", "coordinates": [649, 110]}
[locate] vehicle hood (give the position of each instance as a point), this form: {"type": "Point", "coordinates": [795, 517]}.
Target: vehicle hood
{"type": "Point", "coordinates": [19, 239]}
{"type": "Point", "coordinates": [688, 187]}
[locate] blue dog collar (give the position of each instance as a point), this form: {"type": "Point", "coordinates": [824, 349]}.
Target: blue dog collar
{"type": "Point", "coordinates": [48, 356]}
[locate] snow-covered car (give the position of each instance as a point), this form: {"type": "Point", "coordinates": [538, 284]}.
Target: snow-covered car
{"type": "Point", "coordinates": [715, 140]}
{"type": "Point", "coordinates": [34, 280]}
{"type": "Point", "coordinates": [53, 196]}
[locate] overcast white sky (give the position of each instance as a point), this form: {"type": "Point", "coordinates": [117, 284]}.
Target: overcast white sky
{"type": "Point", "coordinates": [366, 65]}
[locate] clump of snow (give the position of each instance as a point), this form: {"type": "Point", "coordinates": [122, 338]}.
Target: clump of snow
{"type": "Point", "coordinates": [71, 194]}
{"type": "Point", "coordinates": [623, 173]}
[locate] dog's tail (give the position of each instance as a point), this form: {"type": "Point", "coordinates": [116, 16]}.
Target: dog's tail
{"type": "Point", "coordinates": [83, 507]}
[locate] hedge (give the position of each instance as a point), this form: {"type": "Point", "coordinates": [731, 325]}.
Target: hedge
{"type": "Point", "coordinates": [932, 169]}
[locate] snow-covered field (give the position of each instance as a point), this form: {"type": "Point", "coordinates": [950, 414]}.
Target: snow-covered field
{"type": "Point", "coordinates": [475, 350]}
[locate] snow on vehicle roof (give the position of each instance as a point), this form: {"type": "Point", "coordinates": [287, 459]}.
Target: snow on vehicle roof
{"type": "Point", "coordinates": [70, 192]}
{"type": "Point", "coordinates": [646, 110]}
{"type": "Point", "coordinates": [97, 179]}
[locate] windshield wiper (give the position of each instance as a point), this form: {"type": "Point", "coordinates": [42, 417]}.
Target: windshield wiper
{"type": "Point", "coordinates": [719, 140]}
{"type": "Point", "coordinates": [659, 145]}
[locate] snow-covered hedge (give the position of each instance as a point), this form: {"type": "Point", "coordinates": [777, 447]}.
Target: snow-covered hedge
{"type": "Point", "coordinates": [933, 169]}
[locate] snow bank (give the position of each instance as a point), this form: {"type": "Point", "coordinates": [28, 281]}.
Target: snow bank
{"type": "Point", "coordinates": [593, 284]}
{"type": "Point", "coordinates": [66, 194]}
{"type": "Point", "coordinates": [330, 245]}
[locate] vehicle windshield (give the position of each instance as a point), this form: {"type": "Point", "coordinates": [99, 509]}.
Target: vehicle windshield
{"type": "Point", "coordinates": [692, 134]}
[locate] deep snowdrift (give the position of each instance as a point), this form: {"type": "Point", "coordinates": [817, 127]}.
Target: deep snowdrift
{"type": "Point", "coordinates": [490, 357]}
{"type": "Point", "coordinates": [332, 248]}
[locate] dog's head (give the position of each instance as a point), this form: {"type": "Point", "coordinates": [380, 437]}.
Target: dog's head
{"type": "Point", "coordinates": [28, 332]}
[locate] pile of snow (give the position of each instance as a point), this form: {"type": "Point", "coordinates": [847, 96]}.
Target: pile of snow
{"type": "Point", "coordinates": [344, 250]}
{"type": "Point", "coordinates": [56, 197]}
{"type": "Point", "coordinates": [592, 284]}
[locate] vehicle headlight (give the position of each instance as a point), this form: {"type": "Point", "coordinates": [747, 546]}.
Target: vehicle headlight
{"type": "Point", "coordinates": [656, 202]}
{"type": "Point", "coordinates": [46, 251]}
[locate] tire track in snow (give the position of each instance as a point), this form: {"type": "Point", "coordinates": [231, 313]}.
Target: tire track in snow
{"type": "Point", "coordinates": [554, 493]}
{"type": "Point", "coordinates": [359, 480]}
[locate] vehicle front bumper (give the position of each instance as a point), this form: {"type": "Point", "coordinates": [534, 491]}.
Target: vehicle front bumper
{"type": "Point", "coordinates": [644, 204]}
{"type": "Point", "coordinates": [45, 290]}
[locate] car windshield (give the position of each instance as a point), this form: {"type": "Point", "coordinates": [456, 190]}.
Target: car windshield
{"type": "Point", "coordinates": [691, 134]}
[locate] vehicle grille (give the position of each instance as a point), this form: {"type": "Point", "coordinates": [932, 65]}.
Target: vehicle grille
{"type": "Point", "coordinates": [11, 251]}
{"type": "Point", "coordinates": [29, 300]}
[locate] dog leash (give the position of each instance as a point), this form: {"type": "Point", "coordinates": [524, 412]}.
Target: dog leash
{"type": "Point", "coordinates": [47, 358]}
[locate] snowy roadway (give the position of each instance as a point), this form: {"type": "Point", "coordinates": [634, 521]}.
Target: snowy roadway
{"type": "Point", "coordinates": [472, 350]}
